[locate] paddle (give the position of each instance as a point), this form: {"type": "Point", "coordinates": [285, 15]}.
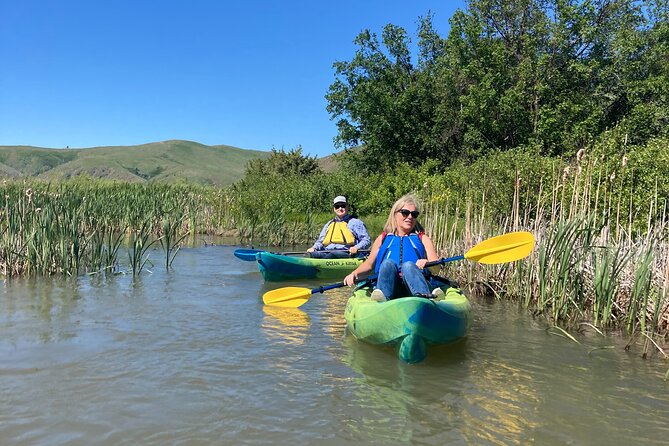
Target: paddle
{"type": "Point", "coordinates": [499, 249]}
{"type": "Point", "coordinates": [293, 296]}
{"type": "Point", "coordinates": [249, 255]}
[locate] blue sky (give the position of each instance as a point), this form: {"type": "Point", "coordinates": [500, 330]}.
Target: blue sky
{"type": "Point", "coordinates": [249, 74]}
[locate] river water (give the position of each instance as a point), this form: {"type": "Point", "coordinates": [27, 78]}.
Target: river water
{"type": "Point", "coordinates": [192, 357]}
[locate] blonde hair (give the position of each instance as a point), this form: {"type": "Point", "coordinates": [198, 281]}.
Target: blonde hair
{"type": "Point", "coordinates": [391, 224]}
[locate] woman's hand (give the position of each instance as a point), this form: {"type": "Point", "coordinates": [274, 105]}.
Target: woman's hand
{"type": "Point", "coordinates": [420, 263]}
{"type": "Point", "coordinates": [312, 249]}
{"type": "Point", "coordinates": [350, 279]}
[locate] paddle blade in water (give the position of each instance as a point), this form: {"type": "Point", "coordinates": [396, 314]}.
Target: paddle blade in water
{"type": "Point", "coordinates": [503, 248]}
{"type": "Point", "coordinates": [287, 297]}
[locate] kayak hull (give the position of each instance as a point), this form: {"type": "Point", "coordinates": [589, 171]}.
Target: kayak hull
{"type": "Point", "coordinates": [412, 322]}
{"type": "Point", "coordinates": [277, 267]}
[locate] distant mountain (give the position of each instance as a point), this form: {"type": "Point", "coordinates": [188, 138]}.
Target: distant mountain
{"type": "Point", "coordinates": [159, 161]}
{"type": "Point", "coordinates": [330, 163]}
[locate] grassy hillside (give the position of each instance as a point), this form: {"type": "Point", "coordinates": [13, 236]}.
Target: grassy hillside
{"type": "Point", "coordinates": [330, 163]}
{"type": "Point", "coordinates": [168, 161]}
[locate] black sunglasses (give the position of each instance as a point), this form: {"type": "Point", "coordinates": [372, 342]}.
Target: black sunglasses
{"type": "Point", "coordinates": [340, 205]}
{"type": "Point", "coordinates": [406, 212]}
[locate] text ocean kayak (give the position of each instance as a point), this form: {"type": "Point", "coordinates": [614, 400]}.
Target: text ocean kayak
{"type": "Point", "coordinates": [412, 322]}
{"type": "Point", "coordinates": [277, 267]}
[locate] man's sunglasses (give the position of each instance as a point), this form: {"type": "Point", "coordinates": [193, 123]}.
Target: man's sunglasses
{"type": "Point", "coordinates": [339, 205]}
{"type": "Point", "coordinates": [406, 212]}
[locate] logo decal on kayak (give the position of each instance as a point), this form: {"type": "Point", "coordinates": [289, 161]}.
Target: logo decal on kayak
{"type": "Point", "coordinates": [340, 263]}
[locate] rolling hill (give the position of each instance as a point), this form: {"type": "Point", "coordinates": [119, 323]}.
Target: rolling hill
{"type": "Point", "coordinates": [159, 161]}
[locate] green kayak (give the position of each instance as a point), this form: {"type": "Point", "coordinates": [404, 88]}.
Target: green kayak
{"type": "Point", "coordinates": [277, 267]}
{"type": "Point", "coordinates": [412, 322]}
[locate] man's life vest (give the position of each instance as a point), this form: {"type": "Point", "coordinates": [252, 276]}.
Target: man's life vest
{"type": "Point", "coordinates": [400, 249]}
{"type": "Point", "coordinates": [339, 233]}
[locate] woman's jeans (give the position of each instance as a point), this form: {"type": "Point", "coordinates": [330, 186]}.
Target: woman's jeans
{"type": "Point", "coordinates": [411, 283]}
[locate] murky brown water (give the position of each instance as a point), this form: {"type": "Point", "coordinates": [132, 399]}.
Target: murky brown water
{"type": "Point", "coordinates": [191, 357]}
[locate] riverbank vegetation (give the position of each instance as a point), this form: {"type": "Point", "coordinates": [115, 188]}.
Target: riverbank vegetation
{"type": "Point", "coordinates": [600, 219]}
{"type": "Point", "coordinates": [79, 225]}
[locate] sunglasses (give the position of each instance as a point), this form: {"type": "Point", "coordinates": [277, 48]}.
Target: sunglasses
{"type": "Point", "coordinates": [339, 205]}
{"type": "Point", "coordinates": [406, 212]}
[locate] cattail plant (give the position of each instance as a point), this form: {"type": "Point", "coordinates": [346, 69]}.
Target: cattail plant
{"type": "Point", "coordinates": [171, 238]}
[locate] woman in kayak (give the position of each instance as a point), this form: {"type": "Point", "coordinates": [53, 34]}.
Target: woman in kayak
{"type": "Point", "coordinates": [399, 255]}
{"type": "Point", "coordinates": [343, 236]}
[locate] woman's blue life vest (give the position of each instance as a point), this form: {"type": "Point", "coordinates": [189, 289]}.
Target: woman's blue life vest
{"type": "Point", "coordinates": [400, 249]}
{"type": "Point", "coordinates": [339, 233]}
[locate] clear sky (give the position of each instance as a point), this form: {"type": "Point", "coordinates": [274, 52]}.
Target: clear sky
{"type": "Point", "coordinates": [251, 74]}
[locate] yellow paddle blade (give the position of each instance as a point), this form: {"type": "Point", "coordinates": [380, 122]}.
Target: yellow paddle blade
{"type": "Point", "coordinates": [502, 248]}
{"type": "Point", "coordinates": [290, 296]}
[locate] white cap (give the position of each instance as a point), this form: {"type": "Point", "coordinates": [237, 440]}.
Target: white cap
{"type": "Point", "coordinates": [339, 199]}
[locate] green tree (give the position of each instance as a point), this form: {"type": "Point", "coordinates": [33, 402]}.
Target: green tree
{"type": "Point", "coordinates": [552, 74]}
{"type": "Point", "coordinates": [382, 100]}
{"type": "Point", "coordinates": [539, 71]}
{"type": "Point", "coordinates": [283, 163]}
{"type": "Point", "coordinates": [641, 64]}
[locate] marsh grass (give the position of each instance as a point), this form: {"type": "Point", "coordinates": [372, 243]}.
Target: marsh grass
{"type": "Point", "coordinates": [78, 226]}
{"type": "Point", "coordinates": [140, 244]}
{"type": "Point", "coordinates": [171, 238]}
{"type": "Point", "coordinates": [104, 249]}
{"type": "Point", "coordinates": [601, 253]}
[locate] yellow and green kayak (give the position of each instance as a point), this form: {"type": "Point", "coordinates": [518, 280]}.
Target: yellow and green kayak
{"type": "Point", "coordinates": [278, 267]}
{"type": "Point", "coordinates": [412, 322]}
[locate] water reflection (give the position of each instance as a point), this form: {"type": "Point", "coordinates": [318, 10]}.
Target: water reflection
{"type": "Point", "coordinates": [289, 317]}
{"type": "Point", "coordinates": [50, 307]}
{"type": "Point", "coordinates": [500, 394]}
{"type": "Point", "coordinates": [407, 403]}
{"type": "Point", "coordinates": [290, 324]}
{"type": "Point", "coordinates": [475, 399]}
{"type": "Point", "coordinates": [330, 306]}
{"type": "Point", "coordinates": [379, 377]}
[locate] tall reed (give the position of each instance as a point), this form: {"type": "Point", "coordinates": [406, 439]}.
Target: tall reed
{"type": "Point", "coordinates": [171, 237]}
{"type": "Point", "coordinates": [593, 262]}
{"type": "Point", "coordinates": [79, 225]}
{"type": "Point", "coordinates": [140, 243]}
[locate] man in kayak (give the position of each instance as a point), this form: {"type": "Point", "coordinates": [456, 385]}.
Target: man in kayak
{"type": "Point", "coordinates": [343, 236]}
